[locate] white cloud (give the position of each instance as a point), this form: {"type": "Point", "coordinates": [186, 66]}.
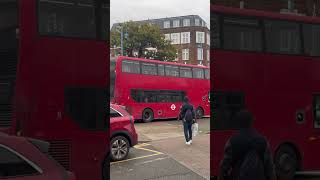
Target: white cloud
{"type": "Point", "coordinates": [125, 10]}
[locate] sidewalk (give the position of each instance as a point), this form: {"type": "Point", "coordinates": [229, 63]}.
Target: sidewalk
{"type": "Point", "coordinates": [195, 157]}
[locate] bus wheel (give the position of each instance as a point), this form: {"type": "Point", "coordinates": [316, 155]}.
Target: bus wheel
{"type": "Point", "coordinates": [147, 115]}
{"type": "Point", "coordinates": [119, 148]}
{"type": "Point", "coordinates": [286, 162]}
{"type": "Point", "coordinates": [200, 112]}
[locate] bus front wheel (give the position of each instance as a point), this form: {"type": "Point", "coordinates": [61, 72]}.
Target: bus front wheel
{"type": "Point", "coordinates": [286, 162]}
{"type": "Point", "coordinates": [147, 115]}
{"type": "Point", "coordinates": [199, 112]}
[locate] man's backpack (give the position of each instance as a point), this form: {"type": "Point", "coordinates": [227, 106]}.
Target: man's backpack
{"type": "Point", "coordinates": [188, 116]}
{"type": "Point", "coordinates": [252, 166]}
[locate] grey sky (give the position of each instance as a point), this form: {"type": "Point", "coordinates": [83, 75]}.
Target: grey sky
{"type": "Point", "coordinates": [125, 10]}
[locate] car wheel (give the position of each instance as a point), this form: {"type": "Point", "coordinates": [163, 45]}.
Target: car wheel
{"type": "Point", "coordinates": [147, 115]}
{"type": "Point", "coordinates": [119, 148]}
{"type": "Point", "coordinates": [199, 112]}
{"type": "Point", "coordinates": [286, 162]}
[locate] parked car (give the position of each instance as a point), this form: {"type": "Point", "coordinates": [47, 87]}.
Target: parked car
{"type": "Point", "coordinates": [122, 132]}
{"type": "Point", "coordinates": [27, 159]}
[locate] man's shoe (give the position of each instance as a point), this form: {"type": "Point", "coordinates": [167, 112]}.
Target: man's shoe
{"type": "Point", "coordinates": [190, 142]}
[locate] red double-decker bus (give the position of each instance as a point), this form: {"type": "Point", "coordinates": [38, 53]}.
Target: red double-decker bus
{"type": "Point", "coordinates": [152, 89]}
{"type": "Point", "coordinates": [269, 64]}
{"type": "Point", "coordinates": [54, 76]}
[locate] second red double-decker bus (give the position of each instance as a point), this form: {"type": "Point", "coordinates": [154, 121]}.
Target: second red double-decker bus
{"type": "Point", "coordinates": [54, 78]}
{"type": "Point", "coordinates": [152, 89]}
{"type": "Point", "coordinates": [269, 64]}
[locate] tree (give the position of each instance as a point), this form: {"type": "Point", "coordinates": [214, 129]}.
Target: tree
{"type": "Point", "coordinates": [142, 36]}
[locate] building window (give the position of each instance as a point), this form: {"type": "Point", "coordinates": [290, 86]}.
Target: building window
{"type": "Point", "coordinates": [176, 23]}
{"type": "Point", "coordinates": [208, 55]}
{"type": "Point", "coordinates": [208, 39]}
{"type": "Point", "coordinates": [175, 38]}
{"type": "Point", "coordinates": [185, 54]}
{"type": "Point", "coordinates": [185, 37]}
{"type": "Point", "coordinates": [199, 37]}
{"type": "Point", "coordinates": [200, 54]}
{"type": "Point", "coordinates": [197, 22]}
{"type": "Point", "coordinates": [186, 22]}
{"type": "Point", "coordinates": [166, 24]}
{"type": "Point", "coordinates": [203, 24]}
{"type": "Point", "coordinates": [167, 37]}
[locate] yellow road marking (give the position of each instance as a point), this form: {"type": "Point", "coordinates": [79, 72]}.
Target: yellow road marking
{"type": "Point", "coordinates": [156, 152]}
{"type": "Point", "coordinates": [141, 157]}
{"type": "Point", "coordinates": [139, 146]}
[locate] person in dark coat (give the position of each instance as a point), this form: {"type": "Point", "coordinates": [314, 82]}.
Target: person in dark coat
{"type": "Point", "coordinates": [187, 125]}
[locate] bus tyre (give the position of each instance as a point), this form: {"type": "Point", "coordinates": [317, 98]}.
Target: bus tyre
{"type": "Point", "coordinates": [119, 148]}
{"type": "Point", "coordinates": [147, 115]}
{"type": "Point", "coordinates": [286, 162]}
{"type": "Point", "coordinates": [200, 112]}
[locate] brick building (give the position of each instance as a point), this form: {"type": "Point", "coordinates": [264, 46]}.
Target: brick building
{"type": "Point", "coordinates": [189, 34]}
{"type": "Point", "coordinates": [301, 7]}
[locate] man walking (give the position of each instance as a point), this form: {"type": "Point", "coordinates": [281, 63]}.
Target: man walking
{"type": "Point", "coordinates": [187, 115]}
{"type": "Point", "coordinates": [247, 154]}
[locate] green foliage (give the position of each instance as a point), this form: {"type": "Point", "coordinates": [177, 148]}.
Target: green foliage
{"type": "Point", "coordinates": [138, 37]}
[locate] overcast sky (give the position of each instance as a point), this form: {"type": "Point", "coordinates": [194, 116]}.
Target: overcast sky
{"type": "Point", "coordinates": [125, 10]}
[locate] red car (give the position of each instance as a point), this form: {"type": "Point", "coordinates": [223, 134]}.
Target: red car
{"type": "Point", "coordinates": [27, 159]}
{"type": "Point", "coordinates": [123, 133]}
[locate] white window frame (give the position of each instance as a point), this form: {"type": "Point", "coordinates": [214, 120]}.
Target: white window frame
{"type": "Point", "coordinates": [208, 55]}
{"type": "Point", "coordinates": [200, 54]}
{"type": "Point", "coordinates": [175, 38]}
{"type": "Point", "coordinates": [166, 24]}
{"type": "Point", "coordinates": [200, 37]}
{"type": "Point", "coordinates": [186, 22]}
{"type": "Point", "coordinates": [208, 39]}
{"type": "Point", "coordinates": [185, 37]}
{"type": "Point", "coordinates": [197, 22]}
{"type": "Point", "coordinates": [167, 37]}
{"type": "Point", "coordinates": [176, 23]}
{"type": "Point", "coordinates": [185, 54]}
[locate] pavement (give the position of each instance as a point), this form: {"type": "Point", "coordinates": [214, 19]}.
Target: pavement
{"type": "Point", "coordinates": [163, 155]}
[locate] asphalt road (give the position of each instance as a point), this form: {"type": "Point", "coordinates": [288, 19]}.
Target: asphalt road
{"type": "Point", "coordinates": [146, 163]}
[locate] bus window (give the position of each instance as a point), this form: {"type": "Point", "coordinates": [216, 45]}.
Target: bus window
{"type": "Point", "coordinates": [312, 39]}
{"type": "Point", "coordinates": [198, 73]}
{"type": "Point", "coordinates": [67, 18]}
{"type": "Point", "coordinates": [87, 107]}
{"type": "Point", "coordinates": [242, 34]}
{"type": "Point", "coordinates": [215, 35]}
{"type": "Point", "coordinates": [282, 37]}
{"type": "Point", "coordinates": [226, 105]}
{"type": "Point", "coordinates": [185, 72]}
{"type": "Point", "coordinates": [316, 109]}
{"type": "Point", "coordinates": [172, 71]}
{"type": "Point", "coordinates": [149, 68]}
{"type": "Point", "coordinates": [105, 19]}
{"type": "Point", "coordinates": [160, 69]}
{"type": "Point", "coordinates": [131, 67]}
{"type": "Point", "coordinates": [207, 73]}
